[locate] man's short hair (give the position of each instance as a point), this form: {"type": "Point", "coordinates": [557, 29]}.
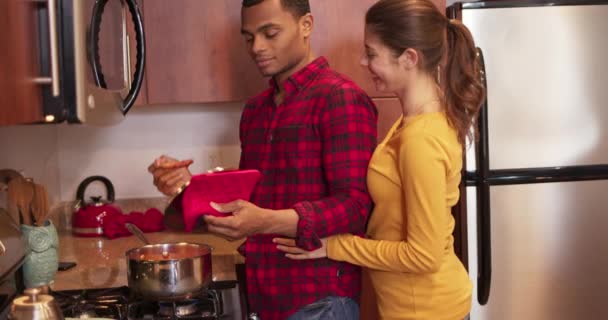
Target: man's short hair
{"type": "Point", "coordinates": [298, 8]}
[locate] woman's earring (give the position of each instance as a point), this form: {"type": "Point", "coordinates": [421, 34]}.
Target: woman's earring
{"type": "Point", "coordinates": [439, 75]}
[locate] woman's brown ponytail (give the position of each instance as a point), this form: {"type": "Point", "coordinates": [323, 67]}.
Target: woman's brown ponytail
{"type": "Point", "coordinates": [464, 92]}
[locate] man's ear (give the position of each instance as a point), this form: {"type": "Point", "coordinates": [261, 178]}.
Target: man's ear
{"type": "Point", "coordinates": [306, 24]}
{"type": "Point", "coordinates": [409, 58]}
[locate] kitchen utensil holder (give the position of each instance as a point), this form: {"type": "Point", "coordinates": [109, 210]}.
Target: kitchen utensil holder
{"type": "Point", "coordinates": [42, 261]}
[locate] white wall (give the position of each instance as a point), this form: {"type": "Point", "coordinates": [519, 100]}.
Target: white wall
{"type": "Point", "coordinates": [31, 150]}
{"type": "Point", "coordinates": [60, 156]}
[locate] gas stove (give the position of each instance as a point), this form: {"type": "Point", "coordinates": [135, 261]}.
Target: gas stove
{"type": "Point", "coordinates": [120, 303]}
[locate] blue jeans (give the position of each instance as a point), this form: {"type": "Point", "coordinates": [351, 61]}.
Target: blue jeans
{"type": "Point", "coordinates": [330, 308]}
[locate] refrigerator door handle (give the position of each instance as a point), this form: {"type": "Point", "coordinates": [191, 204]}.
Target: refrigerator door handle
{"type": "Point", "coordinates": [484, 236]}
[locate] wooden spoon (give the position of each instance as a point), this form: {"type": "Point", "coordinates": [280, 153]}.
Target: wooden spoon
{"type": "Point", "coordinates": [27, 194]}
{"type": "Point", "coordinates": [13, 199]}
{"type": "Point", "coordinates": [40, 204]}
{"type": "Point", "coordinates": [20, 196]}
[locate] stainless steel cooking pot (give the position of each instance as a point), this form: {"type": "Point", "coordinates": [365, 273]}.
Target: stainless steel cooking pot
{"type": "Point", "coordinates": [169, 271]}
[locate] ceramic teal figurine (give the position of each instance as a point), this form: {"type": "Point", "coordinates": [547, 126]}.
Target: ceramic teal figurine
{"type": "Point", "coordinates": [42, 261]}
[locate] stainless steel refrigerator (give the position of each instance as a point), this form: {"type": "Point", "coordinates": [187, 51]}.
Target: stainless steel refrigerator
{"type": "Point", "coordinates": [537, 180]}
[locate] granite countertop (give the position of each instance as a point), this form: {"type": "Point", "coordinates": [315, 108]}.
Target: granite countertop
{"type": "Point", "coordinates": [101, 262]}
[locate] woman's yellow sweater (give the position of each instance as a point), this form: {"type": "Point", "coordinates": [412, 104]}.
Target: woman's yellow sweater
{"type": "Point", "coordinates": [408, 254]}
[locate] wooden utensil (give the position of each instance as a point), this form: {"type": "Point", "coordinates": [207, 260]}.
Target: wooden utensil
{"type": "Point", "coordinates": [26, 204]}
{"type": "Point", "coordinates": [40, 204]}
{"type": "Point", "coordinates": [20, 197]}
{"type": "Point", "coordinates": [22, 194]}
{"type": "Point", "coordinates": [13, 200]}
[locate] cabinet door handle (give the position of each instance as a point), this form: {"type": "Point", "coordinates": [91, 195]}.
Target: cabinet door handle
{"type": "Point", "coordinates": [127, 63]}
{"type": "Point", "coordinates": [127, 75]}
{"type": "Point", "coordinates": [54, 79]}
{"type": "Point", "coordinates": [2, 248]}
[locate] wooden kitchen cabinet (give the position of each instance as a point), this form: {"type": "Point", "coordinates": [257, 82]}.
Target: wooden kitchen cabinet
{"type": "Point", "coordinates": [338, 35]}
{"type": "Point", "coordinates": [196, 53]}
{"type": "Point", "coordinates": [20, 98]}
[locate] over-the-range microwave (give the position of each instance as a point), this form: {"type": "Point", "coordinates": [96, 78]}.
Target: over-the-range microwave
{"type": "Point", "coordinates": [85, 46]}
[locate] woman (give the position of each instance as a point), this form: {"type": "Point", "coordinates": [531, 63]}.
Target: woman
{"type": "Point", "coordinates": [430, 63]}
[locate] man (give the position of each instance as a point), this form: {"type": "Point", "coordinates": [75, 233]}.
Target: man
{"type": "Point", "coordinates": [311, 135]}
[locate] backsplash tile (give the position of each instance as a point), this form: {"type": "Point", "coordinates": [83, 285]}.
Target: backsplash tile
{"type": "Point", "coordinates": [61, 156]}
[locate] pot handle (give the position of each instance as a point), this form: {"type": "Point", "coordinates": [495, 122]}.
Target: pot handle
{"type": "Point", "coordinates": [82, 187]}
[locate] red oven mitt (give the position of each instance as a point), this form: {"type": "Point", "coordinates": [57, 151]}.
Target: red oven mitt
{"type": "Point", "coordinates": [114, 227]}
{"type": "Point", "coordinates": [219, 187]}
{"type": "Point", "coordinates": [151, 221]}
